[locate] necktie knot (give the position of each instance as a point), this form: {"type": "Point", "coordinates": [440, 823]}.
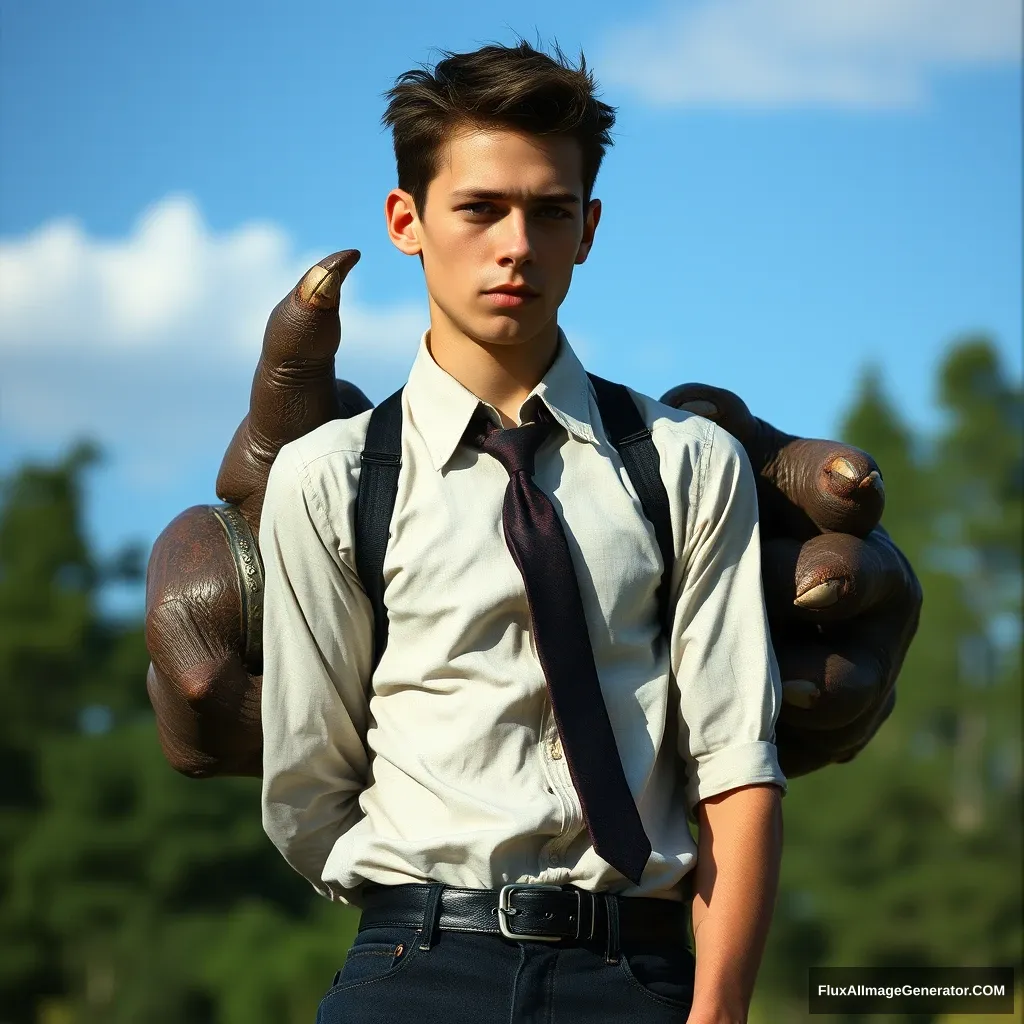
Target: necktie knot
{"type": "Point", "coordinates": [514, 447]}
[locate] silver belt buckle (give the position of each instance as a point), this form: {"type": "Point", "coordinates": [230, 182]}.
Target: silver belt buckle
{"type": "Point", "coordinates": [506, 910]}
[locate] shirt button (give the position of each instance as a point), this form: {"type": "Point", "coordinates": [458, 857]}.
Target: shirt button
{"type": "Point", "coordinates": [555, 749]}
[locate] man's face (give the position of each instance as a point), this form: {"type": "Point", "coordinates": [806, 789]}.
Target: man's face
{"type": "Point", "coordinates": [504, 210]}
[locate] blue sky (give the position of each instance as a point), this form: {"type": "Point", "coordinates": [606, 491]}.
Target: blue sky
{"type": "Point", "coordinates": [798, 188]}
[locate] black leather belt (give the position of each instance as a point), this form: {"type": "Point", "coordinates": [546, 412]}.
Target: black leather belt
{"type": "Point", "coordinates": [544, 913]}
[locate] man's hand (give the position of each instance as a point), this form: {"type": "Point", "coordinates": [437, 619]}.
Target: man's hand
{"type": "Point", "coordinates": [203, 586]}
{"type": "Point", "coordinates": [843, 601]}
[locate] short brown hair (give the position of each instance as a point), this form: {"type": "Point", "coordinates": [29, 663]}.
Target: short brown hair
{"type": "Point", "coordinates": [505, 86]}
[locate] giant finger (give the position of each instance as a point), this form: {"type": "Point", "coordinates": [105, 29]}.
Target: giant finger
{"type": "Point", "coordinates": [294, 389]}
{"type": "Point", "coordinates": [827, 683]}
{"type": "Point", "coordinates": [807, 485]}
{"type": "Point", "coordinates": [831, 577]}
{"type": "Point", "coordinates": [804, 485]}
{"type": "Point", "coordinates": [831, 668]}
{"type": "Point", "coordinates": [806, 750]}
{"type": "Point", "coordinates": [351, 400]}
{"type": "Point", "coordinates": [202, 739]}
{"type": "Point", "coordinates": [726, 408]}
{"type": "Point", "coordinates": [841, 681]}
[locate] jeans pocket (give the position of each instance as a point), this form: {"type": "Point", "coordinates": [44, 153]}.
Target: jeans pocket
{"type": "Point", "coordinates": [661, 971]}
{"type": "Point", "coordinates": [375, 954]}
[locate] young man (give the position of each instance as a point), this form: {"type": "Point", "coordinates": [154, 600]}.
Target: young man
{"type": "Point", "coordinates": [506, 792]}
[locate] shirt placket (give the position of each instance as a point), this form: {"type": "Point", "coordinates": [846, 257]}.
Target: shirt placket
{"type": "Point", "coordinates": [552, 854]}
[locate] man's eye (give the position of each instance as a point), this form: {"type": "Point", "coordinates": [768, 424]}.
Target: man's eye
{"type": "Point", "coordinates": [555, 212]}
{"type": "Point", "coordinates": [478, 208]}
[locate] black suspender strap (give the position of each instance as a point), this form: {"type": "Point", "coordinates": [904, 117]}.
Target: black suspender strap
{"type": "Point", "coordinates": [375, 503]}
{"type": "Point", "coordinates": [632, 439]}
{"type": "Point", "coordinates": [378, 488]}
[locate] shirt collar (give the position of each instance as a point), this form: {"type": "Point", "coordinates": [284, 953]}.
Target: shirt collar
{"type": "Point", "coordinates": [441, 407]}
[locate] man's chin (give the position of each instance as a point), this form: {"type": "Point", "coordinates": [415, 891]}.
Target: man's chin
{"type": "Point", "coordinates": [508, 329]}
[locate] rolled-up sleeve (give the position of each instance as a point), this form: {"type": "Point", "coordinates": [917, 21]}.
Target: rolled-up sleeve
{"type": "Point", "coordinates": [317, 644]}
{"type": "Point", "coordinates": [721, 651]}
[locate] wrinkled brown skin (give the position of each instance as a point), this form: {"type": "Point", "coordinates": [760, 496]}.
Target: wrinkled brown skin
{"type": "Point", "coordinates": [821, 542]}
{"type": "Point", "coordinates": [206, 698]}
{"type": "Point", "coordinates": [820, 503]}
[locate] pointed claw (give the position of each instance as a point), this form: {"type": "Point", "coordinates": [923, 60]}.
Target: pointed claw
{"type": "Point", "coordinates": [701, 407]}
{"type": "Point", "coordinates": [320, 287]}
{"type": "Point", "coordinates": [801, 693]}
{"type": "Point", "coordinates": [321, 284]}
{"type": "Point", "coordinates": [824, 595]}
{"type": "Point", "coordinates": [844, 467]}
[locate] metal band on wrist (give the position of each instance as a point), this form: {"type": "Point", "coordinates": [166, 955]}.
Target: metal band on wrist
{"type": "Point", "coordinates": [249, 566]}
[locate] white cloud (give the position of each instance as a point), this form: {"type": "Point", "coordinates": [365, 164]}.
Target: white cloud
{"type": "Point", "coordinates": [771, 53]}
{"type": "Point", "coordinates": [148, 343]}
{"type": "Point", "coordinates": [172, 285]}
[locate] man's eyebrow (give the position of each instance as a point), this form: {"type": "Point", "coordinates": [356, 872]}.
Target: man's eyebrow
{"type": "Point", "coordinates": [490, 194]}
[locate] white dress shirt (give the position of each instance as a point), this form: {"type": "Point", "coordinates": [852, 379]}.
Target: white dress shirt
{"type": "Point", "coordinates": [444, 764]}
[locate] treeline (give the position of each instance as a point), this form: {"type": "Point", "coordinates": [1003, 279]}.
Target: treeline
{"type": "Point", "coordinates": [128, 893]}
{"type": "Point", "coordinates": [911, 853]}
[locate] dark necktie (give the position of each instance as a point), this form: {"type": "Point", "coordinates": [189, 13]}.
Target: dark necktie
{"type": "Point", "coordinates": [537, 542]}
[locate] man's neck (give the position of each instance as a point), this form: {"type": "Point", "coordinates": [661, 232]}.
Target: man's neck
{"type": "Point", "coordinates": [501, 375]}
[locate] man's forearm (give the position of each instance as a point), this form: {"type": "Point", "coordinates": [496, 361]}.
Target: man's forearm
{"type": "Point", "coordinates": [735, 883]}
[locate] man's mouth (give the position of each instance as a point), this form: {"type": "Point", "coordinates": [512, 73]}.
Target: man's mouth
{"type": "Point", "coordinates": [511, 294]}
{"type": "Point", "coordinates": [513, 289]}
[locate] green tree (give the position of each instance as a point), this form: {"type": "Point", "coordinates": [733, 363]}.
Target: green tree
{"type": "Point", "coordinates": [911, 853]}
{"type": "Point", "coordinates": [56, 659]}
{"type": "Point", "coordinates": [129, 893]}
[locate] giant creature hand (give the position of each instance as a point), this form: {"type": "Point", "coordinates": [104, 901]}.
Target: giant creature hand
{"type": "Point", "coordinates": [843, 601]}
{"type": "Point", "coordinates": [204, 584]}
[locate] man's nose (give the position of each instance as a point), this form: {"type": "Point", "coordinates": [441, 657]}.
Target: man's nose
{"type": "Point", "coordinates": [515, 245]}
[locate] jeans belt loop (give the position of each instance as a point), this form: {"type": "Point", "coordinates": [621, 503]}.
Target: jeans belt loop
{"type": "Point", "coordinates": [431, 916]}
{"type": "Point", "coordinates": [592, 898]}
{"type": "Point", "coordinates": [612, 913]}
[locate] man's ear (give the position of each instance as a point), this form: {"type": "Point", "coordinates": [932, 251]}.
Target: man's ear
{"type": "Point", "coordinates": [402, 221]}
{"type": "Point", "coordinates": [593, 215]}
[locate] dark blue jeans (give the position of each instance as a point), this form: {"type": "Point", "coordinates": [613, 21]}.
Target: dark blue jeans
{"type": "Point", "coordinates": [474, 978]}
